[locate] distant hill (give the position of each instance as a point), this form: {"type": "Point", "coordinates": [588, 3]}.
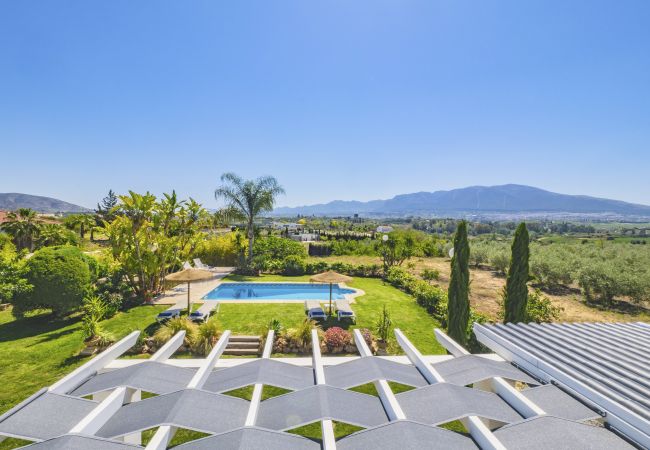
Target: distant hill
{"type": "Point", "coordinates": [12, 201]}
{"type": "Point", "coordinates": [481, 200]}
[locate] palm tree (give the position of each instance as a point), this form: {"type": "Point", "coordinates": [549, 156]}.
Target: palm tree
{"type": "Point", "coordinates": [249, 198]}
{"type": "Point", "coordinates": [81, 221]}
{"type": "Point", "coordinates": [53, 234]}
{"type": "Point", "coordinates": [23, 226]}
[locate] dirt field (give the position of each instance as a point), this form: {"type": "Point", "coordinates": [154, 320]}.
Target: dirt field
{"type": "Point", "coordinates": [486, 287]}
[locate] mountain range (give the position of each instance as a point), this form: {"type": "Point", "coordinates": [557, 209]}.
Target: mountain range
{"type": "Point", "coordinates": [508, 199]}
{"type": "Point", "coordinates": [12, 201]}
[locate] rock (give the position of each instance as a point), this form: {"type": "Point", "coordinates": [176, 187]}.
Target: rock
{"type": "Point", "coordinates": [88, 351]}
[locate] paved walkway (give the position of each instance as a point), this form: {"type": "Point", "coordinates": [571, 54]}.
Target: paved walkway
{"type": "Point", "coordinates": [178, 295]}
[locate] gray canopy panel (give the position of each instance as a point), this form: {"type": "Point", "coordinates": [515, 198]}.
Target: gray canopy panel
{"type": "Point", "coordinates": [45, 416]}
{"type": "Point", "coordinates": [556, 402]}
{"type": "Point", "coordinates": [443, 402]}
{"type": "Point", "coordinates": [320, 402]}
{"type": "Point", "coordinates": [405, 435]}
{"type": "Point", "coordinates": [469, 369]}
{"type": "Point", "coordinates": [149, 376]}
{"type": "Point", "coordinates": [363, 370]}
{"type": "Point", "coordinates": [251, 439]}
{"type": "Point", "coordinates": [265, 371]}
{"type": "Point", "coordinates": [190, 408]}
{"type": "Point", "coordinates": [78, 442]}
{"type": "Point", "coordinates": [547, 432]}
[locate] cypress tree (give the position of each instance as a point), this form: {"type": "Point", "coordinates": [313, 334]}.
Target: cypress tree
{"type": "Point", "coordinates": [516, 291]}
{"type": "Point", "coordinates": [458, 293]}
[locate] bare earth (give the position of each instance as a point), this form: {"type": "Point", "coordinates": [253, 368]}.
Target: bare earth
{"type": "Point", "coordinates": [486, 287]}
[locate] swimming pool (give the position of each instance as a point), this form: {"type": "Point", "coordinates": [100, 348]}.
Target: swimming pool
{"type": "Point", "coordinates": [276, 292]}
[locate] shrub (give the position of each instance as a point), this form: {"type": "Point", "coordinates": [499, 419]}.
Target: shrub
{"type": "Point", "coordinates": [316, 267]}
{"type": "Point", "coordinates": [294, 265]}
{"type": "Point", "coordinates": [301, 336]}
{"type": "Point", "coordinates": [173, 326]}
{"type": "Point", "coordinates": [500, 260]}
{"type": "Point", "coordinates": [12, 272]}
{"type": "Point", "coordinates": [383, 325]}
{"type": "Point", "coordinates": [337, 337]}
{"type": "Point", "coordinates": [270, 252]}
{"type": "Point", "coordinates": [275, 325]}
{"type": "Point", "coordinates": [430, 274]}
{"type": "Point", "coordinates": [220, 250]}
{"type": "Point", "coordinates": [367, 336]}
{"type": "Point", "coordinates": [206, 336]}
{"type": "Point", "coordinates": [113, 302]}
{"type": "Point", "coordinates": [541, 309]}
{"type": "Point", "coordinates": [60, 282]}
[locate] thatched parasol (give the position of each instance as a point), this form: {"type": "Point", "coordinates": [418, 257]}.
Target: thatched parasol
{"type": "Point", "coordinates": [330, 277]}
{"type": "Point", "coordinates": [189, 275]}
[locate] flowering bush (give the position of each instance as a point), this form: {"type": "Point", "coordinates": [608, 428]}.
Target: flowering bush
{"type": "Point", "coordinates": [367, 336]}
{"type": "Point", "coordinates": [337, 337]}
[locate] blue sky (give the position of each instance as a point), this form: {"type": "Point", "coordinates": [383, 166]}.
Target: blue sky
{"type": "Point", "coordinates": [337, 99]}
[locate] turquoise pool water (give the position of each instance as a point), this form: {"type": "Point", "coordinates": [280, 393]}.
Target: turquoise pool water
{"type": "Point", "coordinates": [276, 291]}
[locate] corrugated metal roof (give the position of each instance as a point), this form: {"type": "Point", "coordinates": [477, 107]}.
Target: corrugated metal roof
{"type": "Point", "coordinates": [605, 363]}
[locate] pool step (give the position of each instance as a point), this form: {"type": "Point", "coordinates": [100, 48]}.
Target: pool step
{"type": "Point", "coordinates": [243, 346]}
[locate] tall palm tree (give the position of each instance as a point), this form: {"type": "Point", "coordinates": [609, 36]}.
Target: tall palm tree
{"type": "Point", "coordinates": [249, 198]}
{"type": "Point", "coordinates": [23, 226]}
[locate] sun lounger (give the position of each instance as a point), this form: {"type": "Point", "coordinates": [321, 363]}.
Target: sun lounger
{"type": "Point", "coordinates": [204, 312]}
{"type": "Point", "coordinates": [187, 265]}
{"type": "Point", "coordinates": [199, 265]}
{"type": "Point", "coordinates": [344, 311]}
{"type": "Point", "coordinates": [168, 314]}
{"type": "Point", "coordinates": [314, 310]}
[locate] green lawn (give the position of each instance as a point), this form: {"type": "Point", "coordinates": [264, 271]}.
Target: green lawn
{"type": "Point", "coordinates": [36, 351]}
{"type": "Point", "coordinates": [417, 325]}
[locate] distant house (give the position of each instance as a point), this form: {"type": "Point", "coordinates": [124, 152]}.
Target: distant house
{"type": "Point", "coordinates": [290, 227]}
{"type": "Point", "coordinates": [3, 216]}
{"type": "Point", "coordinates": [304, 237]}
{"type": "Point", "coordinates": [384, 229]}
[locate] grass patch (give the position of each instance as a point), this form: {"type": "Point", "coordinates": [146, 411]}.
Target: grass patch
{"type": "Point", "coordinates": [181, 436]}
{"type": "Point", "coordinates": [413, 320]}
{"type": "Point", "coordinates": [455, 426]}
{"type": "Point", "coordinates": [314, 432]}
{"type": "Point", "coordinates": [370, 389]}
{"type": "Point", "coordinates": [268, 391]}
{"type": "Point", "coordinates": [38, 350]}
{"type": "Point", "coordinates": [11, 443]}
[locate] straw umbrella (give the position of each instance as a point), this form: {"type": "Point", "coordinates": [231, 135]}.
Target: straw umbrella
{"type": "Point", "coordinates": [330, 277]}
{"type": "Point", "coordinates": [189, 275]}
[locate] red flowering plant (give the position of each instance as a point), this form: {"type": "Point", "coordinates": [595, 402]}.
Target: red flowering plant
{"type": "Point", "coordinates": [337, 337]}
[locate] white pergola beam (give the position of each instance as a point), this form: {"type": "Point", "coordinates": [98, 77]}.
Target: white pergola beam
{"type": "Point", "coordinates": [256, 398]}
{"type": "Point", "coordinates": [327, 427]}
{"type": "Point", "coordinates": [201, 375]}
{"type": "Point", "coordinates": [482, 434]}
{"type": "Point", "coordinates": [164, 434]}
{"type": "Point", "coordinates": [317, 362]}
{"type": "Point", "coordinates": [98, 417]}
{"type": "Point", "coordinates": [429, 373]}
{"type": "Point", "coordinates": [161, 439]}
{"type": "Point", "coordinates": [518, 401]}
{"type": "Point", "coordinates": [169, 348]}
{"type": "Point", "coordinates": [388, 400]}
{"type": "Point", "coordinates": [449, 344]}
{"type": "Point", "coordinates": [81, 373]}
{"type": "Point", "coordinates": [498, 385]}
{"type": "Point", "coordinates": [474, 424]}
